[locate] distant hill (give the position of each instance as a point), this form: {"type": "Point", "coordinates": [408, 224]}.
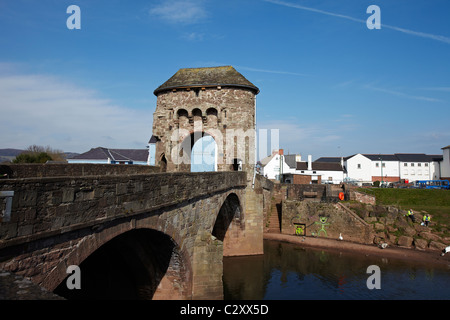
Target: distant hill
{"type": "Point", "coordinates": [10, 154]}
{"type": "Point", "coordinates": [70, 155]}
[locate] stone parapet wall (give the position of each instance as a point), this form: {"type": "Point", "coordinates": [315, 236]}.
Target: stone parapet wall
{"type": "Point", "coordinates": [42, 206]}
{"type": "Point", "coordinates": [37, 170]}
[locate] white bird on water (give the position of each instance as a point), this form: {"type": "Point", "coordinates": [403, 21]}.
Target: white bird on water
{"type": "Point", "coordinates": [340, 237]}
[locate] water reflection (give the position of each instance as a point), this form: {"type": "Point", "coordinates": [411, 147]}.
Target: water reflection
{"type": "Point", "coordinates": [287, 271]}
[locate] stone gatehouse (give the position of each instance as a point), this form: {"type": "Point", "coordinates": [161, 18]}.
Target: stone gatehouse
{"type": "Point", "coordinates": [214, 105]}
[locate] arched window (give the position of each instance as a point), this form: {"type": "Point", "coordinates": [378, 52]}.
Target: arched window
{"type": "Point", "coordinates": [197, 114]}
{"type": "Point", "coordinates": [182, 116]}
{"type": "Point", "coordinates": [211, 116]}
{"type": "Point", "coordinates": [182, 113]}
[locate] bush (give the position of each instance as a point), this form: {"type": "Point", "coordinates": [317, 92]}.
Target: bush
{"type": "Point", "coordinates": [38, 154]}
{"type": "Point", "coordinates": [41, 157]}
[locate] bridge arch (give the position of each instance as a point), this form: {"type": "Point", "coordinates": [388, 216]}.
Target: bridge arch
{"type": "Point", "coordinates": [138, 264]}
{"type": "Point", "coordinates": [145, 262]}
{"type": "Point", "coordinates": [229, 224]}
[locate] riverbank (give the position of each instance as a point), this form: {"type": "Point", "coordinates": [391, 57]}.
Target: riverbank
{"type": "Point", "coordinates": [391, 252]}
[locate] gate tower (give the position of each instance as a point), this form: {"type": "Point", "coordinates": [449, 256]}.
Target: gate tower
{"type": "Point", "coordinates": [197, 102]}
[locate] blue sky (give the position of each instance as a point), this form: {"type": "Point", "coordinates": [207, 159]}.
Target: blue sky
{"type": "Point", "coordinates": [331, 86]}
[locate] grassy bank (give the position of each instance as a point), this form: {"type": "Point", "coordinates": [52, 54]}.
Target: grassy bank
{"type": "Point", "coordinates": [434, 202]}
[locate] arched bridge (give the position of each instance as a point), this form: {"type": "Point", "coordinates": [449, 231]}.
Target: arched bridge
{"type": "Point", "coordinates": [133, 235]}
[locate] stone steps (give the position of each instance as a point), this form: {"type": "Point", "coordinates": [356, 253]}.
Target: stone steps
{"type": "Point", "coordinates": [274, 221]}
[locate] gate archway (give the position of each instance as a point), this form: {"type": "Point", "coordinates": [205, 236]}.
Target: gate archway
{"type": "Point", "coordinates": [203, 153]}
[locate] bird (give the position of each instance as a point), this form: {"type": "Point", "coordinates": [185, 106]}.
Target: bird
{"type": "Point", "coordinates": [446, 250]}
{"type": "Point", "coordinates": [340, 237]}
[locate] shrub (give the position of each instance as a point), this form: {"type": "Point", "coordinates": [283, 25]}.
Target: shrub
{"type": "Point", "coordinates": [41, 157]}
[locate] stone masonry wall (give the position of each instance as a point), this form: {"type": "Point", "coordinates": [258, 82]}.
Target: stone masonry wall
{"type": "Point", "coordinates": [216, 111]}
{"type": "Point", "coordinates": [47, 205]}
{"type": "Point", "coordinates": [18, 171]}
{"type": "Point", "coordinates": [61, 221]}
{"type": "Point", "coordinates": [325, 220]}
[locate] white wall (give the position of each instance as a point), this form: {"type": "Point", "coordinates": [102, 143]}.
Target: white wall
{"type": "Point", "coordinates": [390, 168]}
{"type": "Point", "coordinates": [420, 171]}
{"type": "Point", "coordinates": [363, 172]}
{"type": "Point", "coordinates": [337, 176]}
{"type": "Point", "coordinates": [272, 168]}
{"type": "Point", "coordinates": [445, 163]}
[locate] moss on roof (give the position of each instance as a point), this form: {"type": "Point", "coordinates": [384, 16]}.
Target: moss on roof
{"type": "Point", "coordinates": [206, 77]}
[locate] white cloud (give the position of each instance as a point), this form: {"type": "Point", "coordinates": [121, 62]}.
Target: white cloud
{"type": "Point", "coordinates": [337, 15]}
{"type": "Point", "coordinates": [180, 11]}
{"type": "Point", "coordinates": [402, 94]}
{"type": "Point", "coordinates": [443, 89]}
{"type": "Point", "coordinates": [193, 36]}
{"type": "Point", "coordinates": [45, 110]}
{"type": "Point", "coordinates": [312, 138]}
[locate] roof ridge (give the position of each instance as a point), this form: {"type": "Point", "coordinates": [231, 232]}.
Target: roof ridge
{"type": "Point", "coordinates": [206, 77]}
{"type": "Point", "coordinates": [125, 157]}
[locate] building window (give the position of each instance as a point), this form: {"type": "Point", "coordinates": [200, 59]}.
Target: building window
{"type": "Point", "coordinates": [412, 164]}
{"type": "Point", "coordinates": [426, 164]}
{"type": "Point", "coordinates": [419, 164]}
{"type": "Point", "coordinates": [405, 164]}
{"type": "Point", "coordinates": [384, 165]}
{"type": "Point", "coordinates": [359, 166]}
{"type": "Point", "coordinates": [377, 164]}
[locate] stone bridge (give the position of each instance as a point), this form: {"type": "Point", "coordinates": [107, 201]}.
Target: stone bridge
{"type": "Point", "coordinates": [134, 233]}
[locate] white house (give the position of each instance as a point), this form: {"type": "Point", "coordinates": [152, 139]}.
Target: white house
{"type": "Point", "coordinates": [367, 168]}
{"type": "Point", "coordinates": [419, 166]}
{"type": "Point", "coordinates": [277, 164]}
{"type": "Point", "coordinates": [359, 168]}
{"type": "Point", "coordinates": [445, 163]}
{"type": "Point", "coordinates": [321, 171]}
{"type": "Point", "coordinates": [293, 170]}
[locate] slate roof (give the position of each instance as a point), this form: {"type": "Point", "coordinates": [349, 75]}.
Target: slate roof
{"type": "Point", "coordinates": [413, 157]}
{"type": "Point", "coordinates": [266, 160]}
{"type": "Point", "coordinates": [402, 157]}
{"type": "Point", "coordinates": [329, 159]}
{"type": "Point", "coordinates": [153, 139]}
{"type": "Point", "coordinates": [206, 77]}
{"type": "Point", "coordinates": [290, 160]}
{"type": "Point", "coordinates": [101, 153]}
{"type": "Point", "coordinates": [384, 157]}
{"type": "Point", "coordinates": [322, 166]}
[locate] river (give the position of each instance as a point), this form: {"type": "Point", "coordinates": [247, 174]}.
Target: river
{"type": "Point", "coordinates": [289, 272]}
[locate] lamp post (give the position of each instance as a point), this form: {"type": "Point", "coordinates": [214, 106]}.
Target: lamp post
{"type": "Point", "coordinates": [381, 165]}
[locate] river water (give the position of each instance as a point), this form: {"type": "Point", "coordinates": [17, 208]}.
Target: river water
{"type": "Point", "coordinates": [289, 272]}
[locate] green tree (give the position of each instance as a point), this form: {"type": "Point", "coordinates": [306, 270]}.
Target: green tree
{"type": "Point", "coordinates": [38, 154]}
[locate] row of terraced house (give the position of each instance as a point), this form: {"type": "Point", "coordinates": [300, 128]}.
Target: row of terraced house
{"type": "Point", "coordinates": [358, 168]}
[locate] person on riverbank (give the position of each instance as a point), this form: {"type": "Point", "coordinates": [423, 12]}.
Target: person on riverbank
{"type": "Point", "coordinates": [410, 214]}
{"type": "Point", "coordinates": [426, 219]}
